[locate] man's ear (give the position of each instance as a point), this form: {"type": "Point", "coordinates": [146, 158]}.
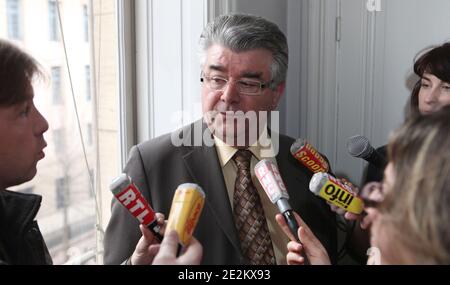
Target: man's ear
{"type": "Point", "coordinates": [277, 94]}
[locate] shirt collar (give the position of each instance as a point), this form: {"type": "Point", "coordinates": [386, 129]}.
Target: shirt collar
{"type": "Point", "coordinates": [226, 152]}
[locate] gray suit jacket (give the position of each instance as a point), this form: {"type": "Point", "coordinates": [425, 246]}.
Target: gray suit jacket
{"type": "Point", "coordinates": [157, 167]}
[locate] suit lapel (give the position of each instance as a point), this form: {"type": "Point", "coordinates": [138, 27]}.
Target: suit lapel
{"type": "Point", "coordinates": [204, 167]}
{"type": "Point", "coordinates": [291, 173]}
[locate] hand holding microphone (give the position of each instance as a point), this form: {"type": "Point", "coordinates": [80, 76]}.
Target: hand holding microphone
{"type": "Point", "coordinates": [185, 211]}
{"type": "Point", "coordinates": [167, 254]}
{"type": "Point", "coordinates": [307, 155]}
{"type": "Point", "coordinates": [186, 208]}
{"type": "Point", "coordinates": [310, 245]}
{"type": "Point", "coordinates": [126, 192]}
{"type": "Point", "coordinates": [268, 175]}
{"type": "Point", "coordinates": [334, 191]}
{"type": "Point", "coordinates": [270, 178]}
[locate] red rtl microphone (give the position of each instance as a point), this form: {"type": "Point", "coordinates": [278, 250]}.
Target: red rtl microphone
{"type": "Point", "coordinates": [131, 198]}
{"type": "Point", "coordinates": [307, 155]}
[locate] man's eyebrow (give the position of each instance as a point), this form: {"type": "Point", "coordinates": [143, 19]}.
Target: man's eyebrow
{"type": "Point", "coordinates": [245, 74]}
{"type": "Point", "coordinates": [217, 67]}
{"type": "Point", "coordinates": [249, 74]}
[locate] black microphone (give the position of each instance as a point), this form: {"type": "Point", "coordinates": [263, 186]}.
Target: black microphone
{"type": "Point", "coordinates": [359, 146]}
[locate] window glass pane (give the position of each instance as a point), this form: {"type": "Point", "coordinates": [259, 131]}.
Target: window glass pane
{"type": "Point", "coordinates": [87, 75]}
{"type": "Point", "coordinates": [13, 18]}
{"type": "Point", "coordinates": [86, 23]}
{"type": "Point", "coordinates": [56, 85]}
{"type": "Point", "coordinates": [69, 185]}
{"type": "Point", "coordinates": [53, 20]}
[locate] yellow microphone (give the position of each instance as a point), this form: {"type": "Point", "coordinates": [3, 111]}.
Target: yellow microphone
{"type": "Point", "coordinates": [187, 205]}
{"type": "Point", "coordinates": [329, 188]}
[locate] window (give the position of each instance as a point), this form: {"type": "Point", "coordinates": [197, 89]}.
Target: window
{"type": "Point", "coordinates": [87, 74]}
{"type": "Point", "coordinates": [27, 190]}
{"type": "Point", "coordinates": [59, 141]}
{"type": "Point", "coordinates": [13, 18]}
{"type": "Point", "coordinates": [68, 215]}
{"type": "Point", "coordinates": [56, 85]}
{"type": "Point", "coordinates": [86, 23]}
{"type": "Point", "coordinates": [53, 20]}
{"type": "Point", "coordinates": [62, 193]}
{"type": "Point", "coordinates": [91, 173]}
{"type": "Point", "coordinates": [90, 139]}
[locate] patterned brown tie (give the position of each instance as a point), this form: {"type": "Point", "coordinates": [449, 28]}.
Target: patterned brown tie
{"type": "Point", "coordinates": [249, 215]}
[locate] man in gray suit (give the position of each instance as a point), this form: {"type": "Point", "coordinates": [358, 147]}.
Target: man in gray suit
{"type": "Point", "coordinates": [244, 61]}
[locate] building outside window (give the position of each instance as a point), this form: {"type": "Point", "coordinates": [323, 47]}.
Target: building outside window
{"type": "Point", "coordinates": [86, 23]}
{"type": "Point", "coordinates": [53, 20]}
{"type": "Point", "coordinates": [87, 72]}
{"type": "Point", "coordinates": [56, 85]}
{"type": "Point", "coordinates": [69, 210]}
{"type": "Point", "coordinates": [13, 18]}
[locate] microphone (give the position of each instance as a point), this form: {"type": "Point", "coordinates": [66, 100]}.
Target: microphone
{"type": "Point", "coordinates": [187, 205]}
{"type": "Point", "coordinates": [307, 155]}
{"type": "Point", "coordinates": [359, 146]}
{"type": "Point", "coordinates": [329, 188]}
{"type": "Point", "coordinates": [126, 192]}
{"type": "Point", "coordinates": [272, 183]}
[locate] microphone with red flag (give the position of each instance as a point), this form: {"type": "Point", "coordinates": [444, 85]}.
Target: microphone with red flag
{"type": "Point", "coordinates": [126, 192]}
{"type": "Point", "coordinates": [307, 155]}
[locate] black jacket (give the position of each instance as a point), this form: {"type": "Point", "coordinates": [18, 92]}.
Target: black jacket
{"type": "Point", "coordinates": [21, 241]}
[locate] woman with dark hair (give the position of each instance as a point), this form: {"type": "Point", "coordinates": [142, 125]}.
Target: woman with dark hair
{"type": "Point", "coordinates": [430, 93]}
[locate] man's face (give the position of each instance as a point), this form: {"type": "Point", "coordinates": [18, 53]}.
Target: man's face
{"type": "Point", "coordinates": [22, 141]}
{"type": "Point", "coordinates": [219, 106]}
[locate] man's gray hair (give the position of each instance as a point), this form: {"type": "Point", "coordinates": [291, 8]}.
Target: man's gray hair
{"type": "Point", "coordinates": [240, 32]}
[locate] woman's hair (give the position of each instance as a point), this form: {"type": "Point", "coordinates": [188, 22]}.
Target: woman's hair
{"type": "Point", "coordinates": [17, 71]}
{"type": "Point", "coordinates": [435, 61]}
{"type": "Point", "coordinates": [416, 211]}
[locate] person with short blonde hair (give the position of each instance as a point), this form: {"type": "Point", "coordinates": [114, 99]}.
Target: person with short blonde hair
{"type": "Point", "coordinates": [409, 212]}
{"type": "Point", "coordinates": [415, 214]}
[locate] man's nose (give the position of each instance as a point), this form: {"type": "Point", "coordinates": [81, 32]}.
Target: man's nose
{"type": "Point", "coordinates": [230, 93]}
{"type": "Point", "coordinates": [42, 124]}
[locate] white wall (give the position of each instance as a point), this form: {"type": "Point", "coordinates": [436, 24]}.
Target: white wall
{"type": "Point", "coordinates": [359, 82]}
{"type": "Point", "coordinates": [374, 68]}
